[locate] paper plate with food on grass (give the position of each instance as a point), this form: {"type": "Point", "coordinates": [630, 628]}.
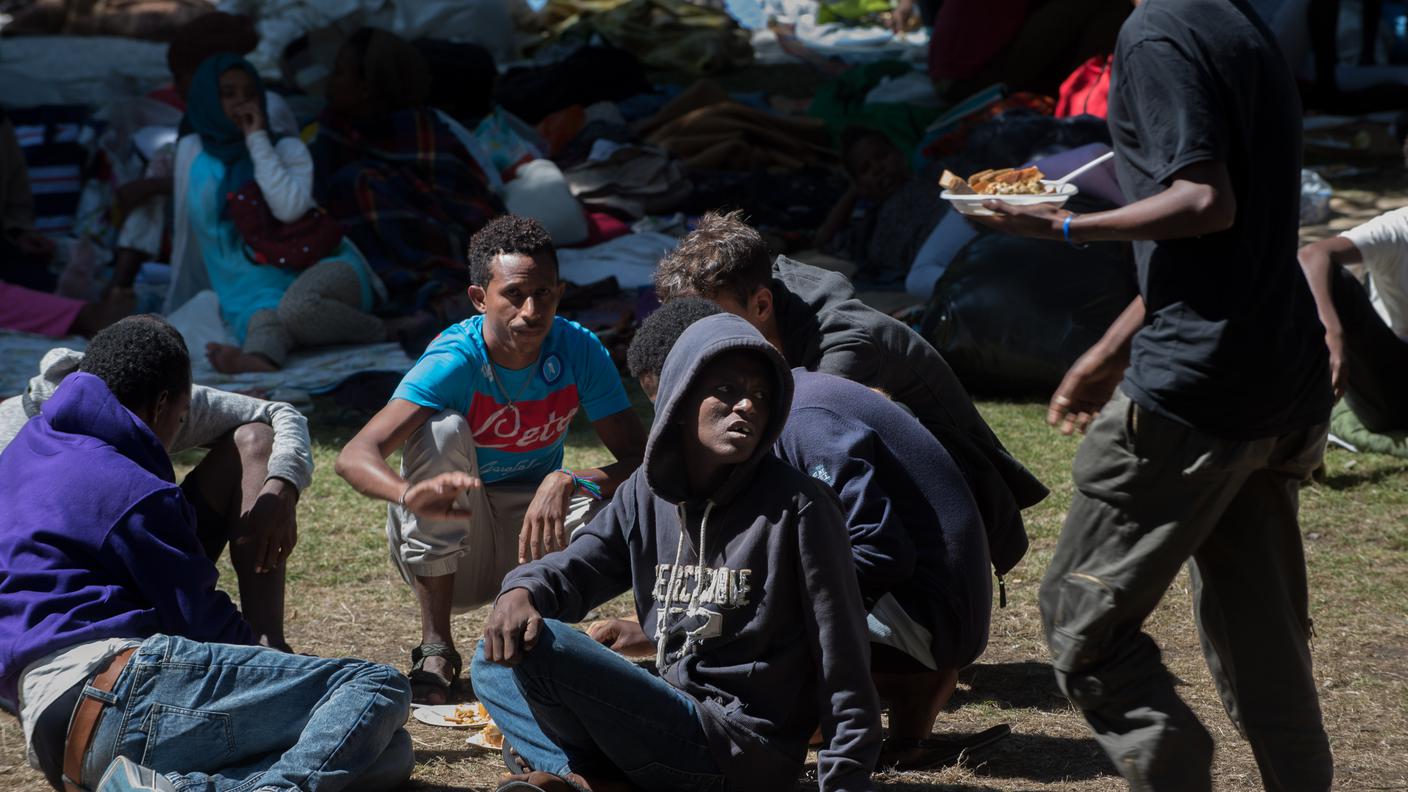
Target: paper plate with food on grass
{"type": "Point", "coordinates": [489, 738]}
{"type": "Point", "coordinates": [471, 715]}
{"type": "Point", "coordinates": [1016, 186]}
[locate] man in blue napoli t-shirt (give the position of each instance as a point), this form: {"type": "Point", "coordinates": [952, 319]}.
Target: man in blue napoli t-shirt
{"type": "Point", "coordinates": [481, 420]}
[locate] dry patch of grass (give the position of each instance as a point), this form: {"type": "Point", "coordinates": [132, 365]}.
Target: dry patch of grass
{"type": "Point", "coordinates": [345, 599]}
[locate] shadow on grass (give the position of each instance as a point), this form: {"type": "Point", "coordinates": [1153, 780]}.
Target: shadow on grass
{"type": "Point", "coordinates": [1359, 476]}
{"type": "Point", "coordinates": [1039, 757]}
{"type": "Point", "coordinates": [1024, 685]}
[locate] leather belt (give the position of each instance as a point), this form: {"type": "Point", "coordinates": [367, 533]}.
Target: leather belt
{"type": "Point", "coordinates": [85, 720]}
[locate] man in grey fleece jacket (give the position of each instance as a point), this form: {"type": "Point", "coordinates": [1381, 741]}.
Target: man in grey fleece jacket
{"type": "Point", "coordinates": [245, 491]}
{"type": "Point", "coordinates": [741, 570]}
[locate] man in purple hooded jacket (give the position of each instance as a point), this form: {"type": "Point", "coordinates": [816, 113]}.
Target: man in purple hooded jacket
{"type": "Point", "coordinates": [115, 645]}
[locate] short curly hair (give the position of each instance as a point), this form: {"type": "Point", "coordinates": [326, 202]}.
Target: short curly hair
{"type": "Point", "coordinates": [657, 335]}
{"type": "Point", "coordinates": [722, 253]}
{"type": "Point", "coordinates": [139, 358]}
{"type": "Point", "coordinates": [506, 234]}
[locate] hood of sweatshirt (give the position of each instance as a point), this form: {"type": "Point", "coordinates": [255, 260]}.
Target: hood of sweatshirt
{"type": "Point", "coordinates": [83, 405]}
{"type": "Point", "coordinates": [700, 345]}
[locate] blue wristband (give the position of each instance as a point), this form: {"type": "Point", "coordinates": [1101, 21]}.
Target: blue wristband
{"type": "Point", "coordinates": [1066, 231]}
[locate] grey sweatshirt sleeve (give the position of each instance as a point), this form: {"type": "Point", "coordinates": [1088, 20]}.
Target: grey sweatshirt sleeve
{"type": "Point", "coordinates": [836, 630]}
{"type": "Point", "coordinates": [215, 412]}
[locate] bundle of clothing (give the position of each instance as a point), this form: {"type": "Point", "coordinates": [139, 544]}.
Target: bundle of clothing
{"type": "Point", "coordinates": [409, 194]}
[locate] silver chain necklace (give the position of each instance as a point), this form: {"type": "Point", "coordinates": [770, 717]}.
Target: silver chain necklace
{"type": "Point", "coordinates": [512, 400]}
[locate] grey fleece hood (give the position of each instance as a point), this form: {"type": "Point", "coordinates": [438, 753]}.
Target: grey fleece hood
{"type": "Point", "coordinates": [704, 341]}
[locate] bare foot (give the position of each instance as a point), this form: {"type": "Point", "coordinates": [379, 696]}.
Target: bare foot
{"type": "Point", "coordinates": [228, 359]}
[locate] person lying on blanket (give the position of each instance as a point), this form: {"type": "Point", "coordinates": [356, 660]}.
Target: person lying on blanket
{"type": "Point", "coordinates": [741, 572]}
{"type": "Point", "coordinates": [244, 491]}
{"type": "Point", "coordinates": [268, 308]}
{"type": "Point", "coordinates": [114, 641]}
{"type": "Point", "coordinates": [482, 419]}
{"type": "Point", "coordinates": [917, 542]}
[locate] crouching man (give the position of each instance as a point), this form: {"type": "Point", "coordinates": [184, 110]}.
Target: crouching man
{"type": "Point", "coordinates": [114, 642]}
{"type": "Point", "coordinates": [482, 420]}
{"type": "Point", "coordinates": [741, 572]}
{"type": "Point", "coordinates": [917, 547]}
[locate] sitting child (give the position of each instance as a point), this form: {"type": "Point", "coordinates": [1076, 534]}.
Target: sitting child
{"type": "Point", "coordinates": [741, 571]}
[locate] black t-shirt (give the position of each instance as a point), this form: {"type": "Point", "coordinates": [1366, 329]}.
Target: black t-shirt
{"type": "Point", "coordinates": [1232, 344]}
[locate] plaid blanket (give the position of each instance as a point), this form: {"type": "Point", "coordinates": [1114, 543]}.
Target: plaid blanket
{"type": "Point", "coordinates": [409, 195]}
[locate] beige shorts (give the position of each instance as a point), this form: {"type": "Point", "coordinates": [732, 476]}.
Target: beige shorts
{"type": "Point", "coordinates": [478, 551]}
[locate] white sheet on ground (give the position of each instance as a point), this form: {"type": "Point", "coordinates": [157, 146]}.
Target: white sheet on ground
{"type": "Point", "coordinates": [91, 70]}
{"type": "Point", "coordinates": [631, 259]}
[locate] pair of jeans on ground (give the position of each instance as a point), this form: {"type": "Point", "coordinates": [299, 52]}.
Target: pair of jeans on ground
{"type": "Point", "coordinates": [222, 718]}
{"type": "Point", "coordinates": [572, 705]}
{"type": "Point", "coordinates": [1150, 495]}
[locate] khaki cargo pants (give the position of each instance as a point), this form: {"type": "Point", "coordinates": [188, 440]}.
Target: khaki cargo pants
{"type": "Point", "coordinates": [478, 551]}
{"type": "Point", "coordinates": [1150, 495]}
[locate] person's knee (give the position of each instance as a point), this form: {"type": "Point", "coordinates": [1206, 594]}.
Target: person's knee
{"type": "Point", "coordinates": [390, 691]}
{"type": "Point", "coordinates": [255, 443]}
{"type": "Point", "coordinates": [443, 444]}
{"type": "Point", "coordinates": [297, 308]}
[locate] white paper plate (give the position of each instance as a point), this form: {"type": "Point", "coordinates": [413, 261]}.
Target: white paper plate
{"type": "Point", "coordinates": [973, 204]}
{"type": "Point", "coordinates": [436, 716]}
{"type": "Point", "coordinates": [476, 740]}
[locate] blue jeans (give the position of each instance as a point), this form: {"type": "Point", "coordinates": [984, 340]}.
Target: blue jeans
{"type": "Point", "coordinates": [574, 706]}
{"type": "Point", "coordinates": [221, 718]}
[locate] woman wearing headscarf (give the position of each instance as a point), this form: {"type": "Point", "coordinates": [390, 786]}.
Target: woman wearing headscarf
{"type": "Point", "coordinates": [268, 308]}
{"type": "Point", "coordinates": [396, 176]}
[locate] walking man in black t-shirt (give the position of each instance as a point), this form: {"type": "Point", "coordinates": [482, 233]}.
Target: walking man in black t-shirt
{"type": "Point", "coordinates": [1224, 395]}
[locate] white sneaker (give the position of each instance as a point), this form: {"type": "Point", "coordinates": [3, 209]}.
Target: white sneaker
{"type": "Point", "coordinates": [125, 775]}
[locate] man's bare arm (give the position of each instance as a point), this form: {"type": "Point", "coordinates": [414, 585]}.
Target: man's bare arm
{"type": "Point", "coordinates": [1199, 200]}
{"type": "Point", "coordinates": [1317, 261]}
{"type": "Point", "coordinates": [624, 436]}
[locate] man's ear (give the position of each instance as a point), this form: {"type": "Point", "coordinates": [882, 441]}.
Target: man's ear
{"type": "Point", "coordinates": [477, 296]}
{"type": "Point", "coordinates": [161, 405]}
{"type": "Point", "coordinates": [761, 305]}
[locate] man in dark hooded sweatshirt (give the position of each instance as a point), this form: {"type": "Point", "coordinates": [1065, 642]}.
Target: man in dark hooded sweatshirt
{"type": "Point", "coordinates": [812, 316]}
{"type": "Point", "coordinates": [114, 642]}
{"type": "Point", "coordinates": [917, 542]}
{"type": "Point", "coordinates": [741, 571]}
